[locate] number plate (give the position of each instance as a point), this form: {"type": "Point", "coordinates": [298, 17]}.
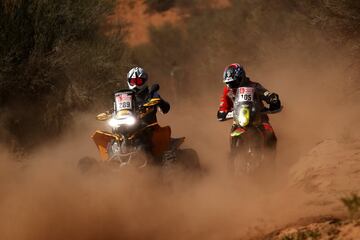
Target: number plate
{"type": "Point", "coordinates": [246, 94]}
{"type": "Point", "coordinates": [123, 101]}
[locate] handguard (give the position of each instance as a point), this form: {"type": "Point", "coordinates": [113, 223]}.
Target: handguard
{"type": "Point", "coordinates": [152, 102]}
{"type": "Point", "coordinates": [103, 116]}
{"type": "Point", "coordinates": [223, 116]}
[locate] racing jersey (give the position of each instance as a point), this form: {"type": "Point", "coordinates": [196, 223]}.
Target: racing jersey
{"type": "Point", "coordinates": [228, 96]}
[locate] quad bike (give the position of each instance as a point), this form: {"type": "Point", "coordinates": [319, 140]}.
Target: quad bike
{"type": "Point", "coordinates": [248, 150]}
{"type": "Point", "coordinates": [133, 143]}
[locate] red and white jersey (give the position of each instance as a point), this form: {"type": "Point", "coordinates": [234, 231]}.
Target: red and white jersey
{"type": "Point", "coordinates": [228, 96]}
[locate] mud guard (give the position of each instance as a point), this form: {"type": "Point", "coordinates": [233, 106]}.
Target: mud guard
{"type": "Point", "coordinates": [102, 139]}
{"type": "Point", "coordinates": [160, 140]}
{"type": "Point", "coordinates": [237, 132]}
{"type": "Point", "coordinates": [176, 142]}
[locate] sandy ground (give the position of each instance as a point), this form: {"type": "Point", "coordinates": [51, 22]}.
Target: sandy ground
{"type": "Point", "coordinates": [49, 199]}
{"type": "Point", "coordinates": [322, 228]}
{"type": "Point", "coordinates": [328, 173]}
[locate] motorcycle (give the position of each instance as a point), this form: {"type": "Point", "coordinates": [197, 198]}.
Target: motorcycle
{"type": "Point", "coordinates": [133, 143]}
{"type": "Point", "coordinates": [248, 150]}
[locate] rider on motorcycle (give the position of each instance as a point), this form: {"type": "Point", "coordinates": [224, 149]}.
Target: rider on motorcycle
{"type": "Point", "coordinates": [235, 77]}
{"type": "Point", "coordinates": [137, 82]}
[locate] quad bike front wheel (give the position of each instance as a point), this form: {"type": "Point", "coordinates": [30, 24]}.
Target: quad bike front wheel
{"type": "Point", "coordinates": [87, 164]}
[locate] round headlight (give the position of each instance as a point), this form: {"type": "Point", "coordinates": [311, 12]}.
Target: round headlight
{"type": "Point", "coordinates": [244, 117]}
{"type": "Point", "coordinates": [243, 121]}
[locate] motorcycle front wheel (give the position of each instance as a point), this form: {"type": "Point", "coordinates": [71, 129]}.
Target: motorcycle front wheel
{"type": "Point", "coordinates": [247, 153]}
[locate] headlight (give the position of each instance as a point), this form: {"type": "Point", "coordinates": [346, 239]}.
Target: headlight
{"type": "Point", "coordinates": [129, 120]}
{"type": "Point", "coordinates": [243, 121]}
{"type": "Point", "coordinates": [244, 117]}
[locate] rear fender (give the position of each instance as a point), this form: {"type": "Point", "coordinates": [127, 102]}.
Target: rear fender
{"type": "Point", "coordinates": [175, 143]}
{"type": "Point", "coordinates": [102, 140]}
{"type": "Point", "coordinates": [160, 140]}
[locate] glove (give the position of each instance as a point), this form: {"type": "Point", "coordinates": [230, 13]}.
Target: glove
{"type": "Point", "coordinates": [273, 97]}
{"type": "Point", "coordinates": [274, 101]}
{"type": "Point", "coordinates": [221, 115]}
{"type": "Point", "coordinates": [164, 106]}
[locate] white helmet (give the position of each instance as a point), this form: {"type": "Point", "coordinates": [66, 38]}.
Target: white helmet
{"type": "Point", "coordinates": [137, 78]}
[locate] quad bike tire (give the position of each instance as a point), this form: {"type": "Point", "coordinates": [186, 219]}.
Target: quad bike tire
{"type": "Point", "coordinates": [184, 168]}
{"type": "Point", "coordinates": [188, 159]}
{"type": "Point", "coordinates": [87, 164]}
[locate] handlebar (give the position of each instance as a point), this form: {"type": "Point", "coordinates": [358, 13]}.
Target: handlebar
{"type": "Point", "coordinates": [103, 116]}
{"type": "Point", "coordinates": [230, 115]}
{"type": "Point", "coordinates": [152, 102]}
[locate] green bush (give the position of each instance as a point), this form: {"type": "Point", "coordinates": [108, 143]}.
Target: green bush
{"type": "Point", "coordinates": [55, 58]}
{"type": "Point", "coordinates": [352, 203]}
{"type": "Point", "coordinates": [159, 5]}
{"type": "Point", "coordinates": [251, 32]}
{"type": "Point", "coordinates": [303, 235]}
{"type": "Point", "coordinates": [164, 5]}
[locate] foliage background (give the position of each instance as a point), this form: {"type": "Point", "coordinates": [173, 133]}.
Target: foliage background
{"type": "Point", "coordinates": [61, 57]}
{"type": "Point", "coordinates": [55, 58]}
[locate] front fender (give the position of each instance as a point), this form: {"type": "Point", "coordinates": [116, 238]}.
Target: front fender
{"type": "Point", "coordinates": [102, 140]}
{"type": "Point", "coordinates": [237, 132]}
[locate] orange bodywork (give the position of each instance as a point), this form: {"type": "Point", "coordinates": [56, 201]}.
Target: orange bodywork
{"type": "Point", "coordinates": [160, 141]}
{"type": "Point", "coordinates": [102, 139]}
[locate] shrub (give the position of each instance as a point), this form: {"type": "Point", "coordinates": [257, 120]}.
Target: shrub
{"type": "Point", "coordinates": [352, 203]}
{"type": "Point", "coordinates": [55, 58]}
{"type": "Point", "coordinates": [159, 5]}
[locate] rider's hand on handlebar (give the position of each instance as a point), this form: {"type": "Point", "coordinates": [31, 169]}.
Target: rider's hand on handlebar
{"type": "Point", "coordinates": [221, 116]}
{"type": "Point", "coordinates": [275, 103]}
{"type": "Point", "coordinates": [275, 106]}
{"type": "Point", "coordinates": [273, 97]}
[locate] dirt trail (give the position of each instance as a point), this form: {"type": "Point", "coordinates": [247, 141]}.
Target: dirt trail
{"type": "Point", "coordinates": [327, 174]}
{"type": "Point", "coordinates": [49, 199]}
{"type": "Point", "coordinates": [321, 228]}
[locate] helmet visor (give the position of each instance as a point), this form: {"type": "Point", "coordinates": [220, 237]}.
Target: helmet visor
{"type": "Point", "coordinates": [136, 81]}
{"type": "Point", "coordinates": [233, 84]}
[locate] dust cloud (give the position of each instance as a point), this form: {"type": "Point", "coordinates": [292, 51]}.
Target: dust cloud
{"type": "Point", "coordinates": [45, 196]}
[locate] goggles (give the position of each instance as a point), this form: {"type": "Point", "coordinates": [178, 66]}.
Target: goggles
{"type": "Point", "coordinates": [136, 81]}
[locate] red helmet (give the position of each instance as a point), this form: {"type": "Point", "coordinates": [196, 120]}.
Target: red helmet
{"type": "Point", "coordinates": [234, 75]}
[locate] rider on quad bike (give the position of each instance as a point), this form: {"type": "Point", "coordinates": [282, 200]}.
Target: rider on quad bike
{"type": "Point", "coordinates": [235, 77]}
{"type": "Point", "coordinates": [137, 82]}
{"type": "Point", "coordinates": [136, 139]}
